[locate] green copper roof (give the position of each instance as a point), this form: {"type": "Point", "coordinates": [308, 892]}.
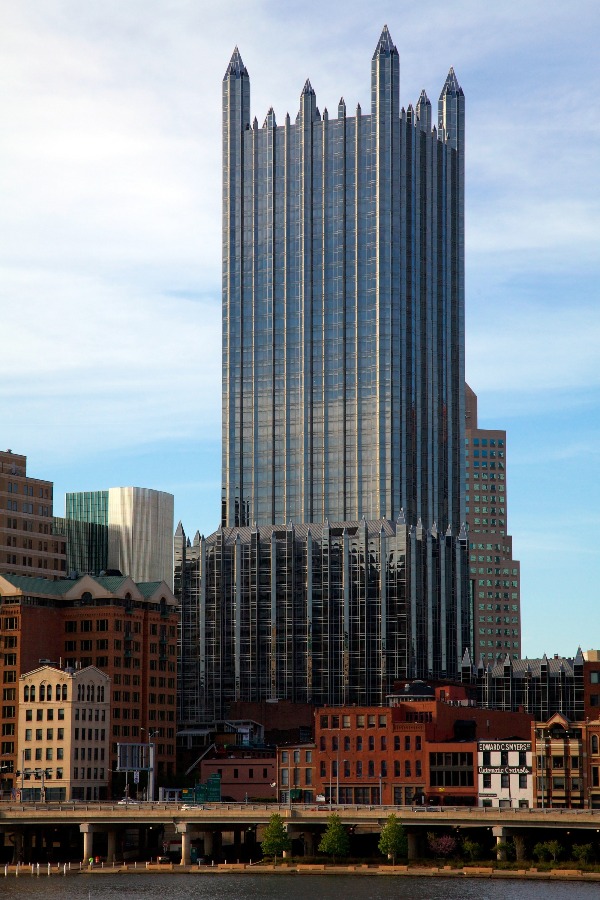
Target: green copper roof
{"type": "Point", "coordinates": [147, 588]}
{"type": "Point", "coordinates": [30, 585]}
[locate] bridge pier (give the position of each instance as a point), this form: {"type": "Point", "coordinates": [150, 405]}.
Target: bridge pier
{"type": "Point", "coordinates": [111, 851]}
{"type": "Point", "coordinates": [18, 855]}
{"type": "Point", "coordinates": [184, 830]}
{"type": "Point", "coordinates": [208, 843]}
{"type": "Point", "coordinates": [500, 834]}
{"type": "Point", "coordinates": [88, 840]}
{"type": "Point", "coordinates": [413, 844]}
{"type": "Point", "coordinates": [309, 843]}
{"type": "Point", "coordinates": [519, 842]}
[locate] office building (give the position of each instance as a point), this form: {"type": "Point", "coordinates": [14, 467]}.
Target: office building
{"type": "Point", "coordinates": [542, 687]}
{"type": "Point", "coordinates": [27, 544]}
{"type": "Point", "coordinates": [494, 574]}
{"type": "Point", "coordinates": [343, 404]}
{"type": "Point", "coordinates": [126, 630]}
{"type": "Point", "coordinates": [64, 734]}
{"type": "Point", "coordinates": [319, 613]}
{"type": "Point", "coordinates": [343, 307]}
{"type": "Point", "coordinates": [129, 530]}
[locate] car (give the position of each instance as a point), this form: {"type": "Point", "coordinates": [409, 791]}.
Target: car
{"type": "Point", "coordinates": [163, 860]}
{"type": "Point", "coordinates": [127, 802]}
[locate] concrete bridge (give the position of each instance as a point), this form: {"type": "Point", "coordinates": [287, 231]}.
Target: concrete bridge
{"type": "Point", "coordinates": [210, 821]}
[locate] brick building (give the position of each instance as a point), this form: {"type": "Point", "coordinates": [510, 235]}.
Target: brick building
{"type": "Point", "coordinates": [27, 544]}
{"type": "Point", "coordinates": [566, 757]}
{"type": "Point", "coordinates": [247, 773]}
{"type": "Point", "coordinates": [127, 630]}
{"type": "Point", "coordinates": [422, 748]}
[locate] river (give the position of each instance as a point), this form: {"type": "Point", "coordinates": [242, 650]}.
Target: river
{"type": "Point", "coordinates": [291, 887]}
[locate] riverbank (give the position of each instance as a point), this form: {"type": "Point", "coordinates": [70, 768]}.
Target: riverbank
{"type": "Point", "coordinates": [299, 869]}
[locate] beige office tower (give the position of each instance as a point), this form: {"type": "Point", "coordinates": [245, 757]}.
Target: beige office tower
{"type": "Point", "coordinates": [493, 573]}
{"type": "Point", "coordinates": [135, 532]}
{"type": "Point", "coordinates": [140, 533]}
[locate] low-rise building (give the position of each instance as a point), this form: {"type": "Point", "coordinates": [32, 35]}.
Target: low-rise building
{"type": "Point", "coordinates": [247, 773]}
{"type": "Point", "coordinates": [64, 734]}
{"type": "Point", "coordinates": [566, 763]}
{"type": "Point", "coordinates": [505, 776]}
{"type": "Point", "coordinates": [421, 749]}
{"type": "Point", "coordinates": [296, 773]}
{"type": "Point", "coordinates": [127, 630]}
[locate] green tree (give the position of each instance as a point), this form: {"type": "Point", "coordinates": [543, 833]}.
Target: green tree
{"type": "Point", "coordinates": [335, 841]}
{"type": "Point", "coordinates": [583, 852]}
{"type": "Point", "coordinates": [548, 850]}
{"type": "Point", "coordinates": [393, 841]}
{"type": "Point", "coordinates": [471, 849]}
{"type": "Point", "coordinates": [276, 838]}
{"type": "Point", "coordinates": [554, 849]}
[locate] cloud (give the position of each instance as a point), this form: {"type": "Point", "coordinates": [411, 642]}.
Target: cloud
{"type": "Point", "coordinates": [96, 365]}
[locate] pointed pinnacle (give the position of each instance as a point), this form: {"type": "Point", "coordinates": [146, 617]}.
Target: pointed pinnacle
{"type": "Point", "coordinates": [385, 45]}
{"type": "Point", "coordinates": [236, 67]}
{"type": "Point", "coordinates": [451, 85]}
{"type": "Point", "coordinates": [308, 88]}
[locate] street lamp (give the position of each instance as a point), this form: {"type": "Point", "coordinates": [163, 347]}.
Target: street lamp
{"type": "Point", "coordinates": [150, 788]}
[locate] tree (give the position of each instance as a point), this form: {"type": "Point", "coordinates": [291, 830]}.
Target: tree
{"type": "Point", "coordinates": [554, 849]}
{"type": "Point", "coordinates": [547, 850]}
{"type": "Point", "coordinates": [335, 841]}
{"type": "Point", "coordinates": [441, 845]}
{"type": "Point", "coordinates": [276, 838]}
{"type": "Point", "coordinates": [393, 841]}
{"type": "Point", "coordinates": [471, 849]}
{"type": "Point", "coordinates": [583, 852]}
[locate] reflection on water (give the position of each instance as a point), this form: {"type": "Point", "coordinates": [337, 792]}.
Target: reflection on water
{"type": "Point", "coordinates": [292, 887]}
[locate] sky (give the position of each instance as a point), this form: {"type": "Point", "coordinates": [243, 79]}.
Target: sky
{"type": "Point", "coordinates": [110, 254]}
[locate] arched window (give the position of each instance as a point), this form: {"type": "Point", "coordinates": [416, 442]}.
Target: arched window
{"type": "Point", "coordinates": [100, 693]}
{"type": "Point", "coordinates": [88, 693]}
{"type": "Point", "coordinates": [79, 692]}
{"type": "Point", "coordinates": [26, 693]}
{"type": "Point", "coordinates": [49, 692]}
{"type": "Point", "coordinates": [32, 693]}
{"type": "Point", "coordinates": [42, 692]}
{"type": "Point", "coordinates": [64, 692]}
{"type": "Point", "coordinates": [93, 692]}
{"type": "Point", "coordinates": [595, 743]}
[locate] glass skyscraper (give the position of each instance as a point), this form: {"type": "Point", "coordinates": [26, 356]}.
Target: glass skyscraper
{"type": "Point", "coordinates": [341, 562]}
{"type": "Point", "coordinates": [343, 307]}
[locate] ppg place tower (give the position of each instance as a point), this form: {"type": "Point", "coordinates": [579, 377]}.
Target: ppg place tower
{"type": "Point", "coordinates": [341, 561]}
{"type": "Point", "coordinates": [343, 307]}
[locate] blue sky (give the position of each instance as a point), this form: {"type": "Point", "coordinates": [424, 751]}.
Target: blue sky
{"type": "Point", "coordinates": [110, 243]}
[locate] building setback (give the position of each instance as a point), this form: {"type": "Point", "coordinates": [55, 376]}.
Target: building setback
{"type": "Point", "coordinates": [493, 573]}
{"type": "Point", "coordinates": [316, 614]}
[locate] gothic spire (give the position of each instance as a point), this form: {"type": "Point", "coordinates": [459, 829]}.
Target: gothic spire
{"type": "Point", "coordinates": [385, 45]}
{"type": "Point", "coordinates": [236, 67]}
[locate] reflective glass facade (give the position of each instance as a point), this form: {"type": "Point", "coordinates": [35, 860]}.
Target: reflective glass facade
{"type": "Point", "coordinates": [343, 307]}
{"type": "Point", "coordinates": [329, 613]}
